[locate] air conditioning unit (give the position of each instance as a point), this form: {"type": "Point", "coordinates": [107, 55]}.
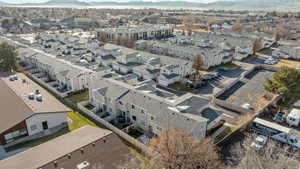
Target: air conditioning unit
{"type": "Point", "coordinates": [31, 96]}
{"type": "Point", "coordinates": [39, 97]}
{"type": "Point", "coordinates": [13, 77]}
{"type": "Point", "coordinates": [84, 165]}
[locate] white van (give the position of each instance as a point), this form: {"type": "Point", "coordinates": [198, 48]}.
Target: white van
{"type": "Point", "coordinates": [293, 119]}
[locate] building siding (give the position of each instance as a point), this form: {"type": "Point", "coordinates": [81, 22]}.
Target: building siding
{"type": "Point", "coordinates": [53, 119]}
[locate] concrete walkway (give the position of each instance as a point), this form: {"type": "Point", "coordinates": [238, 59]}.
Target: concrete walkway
{"type": "Point", "coordinates": [4, 154]}
{"type": "Point", "coordinates": [219, 131]}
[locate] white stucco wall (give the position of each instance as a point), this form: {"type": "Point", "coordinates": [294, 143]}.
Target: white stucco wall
{"type": "Point", "coordinates": [53, 119]}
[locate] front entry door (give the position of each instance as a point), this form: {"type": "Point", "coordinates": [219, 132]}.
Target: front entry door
{"type": "Point", "coordinates": [45, 125]}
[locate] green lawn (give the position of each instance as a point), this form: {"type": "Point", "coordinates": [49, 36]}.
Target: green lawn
{"type": "Point", "coordinates": [224, 133]}
{"type": "Point", "coordinates": [89, 107]}
{"type": "Point", "coordinates": [39, 141]}
{"type": "Point", "coordinates": [180, 87]}
{"type": "Point", "coordinates": [228, 65]}
{"type": "Point", "coordinates": [134, 133]}
{"type": "Point", "coordinates": [79, 97]}
{"type": "Point", "coordinates": [77, 121]}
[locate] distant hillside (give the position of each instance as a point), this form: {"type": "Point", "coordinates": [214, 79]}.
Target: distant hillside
{"type": "Point", "coordinates": [282, 5]}
{"type": "Point", "coordinates": [65, 2]}
{"type": "Point", "coordinates": [148, 3]}
{"type": "Point", "coordinates": [230, 5]}
{"type": "Point", "coordinates": [2, 3]}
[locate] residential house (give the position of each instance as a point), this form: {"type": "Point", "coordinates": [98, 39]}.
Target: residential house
{"type": "Point", "coordinates": [27, 109]}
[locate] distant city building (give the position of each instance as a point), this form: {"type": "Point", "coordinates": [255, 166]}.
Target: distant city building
{"type": "Point", "coordinates": [136, 33]}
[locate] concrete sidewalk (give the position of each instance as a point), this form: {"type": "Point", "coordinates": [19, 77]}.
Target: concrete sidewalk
{"type": "Point", "coordinates": [4, 154]}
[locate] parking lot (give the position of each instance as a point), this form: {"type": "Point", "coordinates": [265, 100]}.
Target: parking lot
{"type": "Point", "coordinates": [248, 90]}
{"type": "Point", "coordinates": [225, 78]}
{"type": "Point", "coordinates": [255, 60]}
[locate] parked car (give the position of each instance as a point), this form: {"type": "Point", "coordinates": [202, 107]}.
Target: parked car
{"type": "Point", "coordinates": [275, 131]}
{"type": "Point", "coordinates": [279, 116]}
{"type": "Point", "coordinates": [271, 61]}
{"type": "Point", "coordinates": [210, 75]}
{"type": "Point", "coordinates": [196, 85]}
{"type": "Point", "coordinates": [259, 142]}
{"type": "Point", "coordinates": [247, 106]}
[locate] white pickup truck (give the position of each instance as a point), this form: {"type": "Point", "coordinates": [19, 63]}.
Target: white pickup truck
{"type": "Point", "coordinates": [275, 131]}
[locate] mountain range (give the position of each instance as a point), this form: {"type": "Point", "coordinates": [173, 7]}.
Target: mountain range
{"type": "Point", "coordinates": [282, 5]}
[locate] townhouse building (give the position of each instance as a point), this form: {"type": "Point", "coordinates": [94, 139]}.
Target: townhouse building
{"type": "Point", "coordinates": [215, 47]}
{"type": "Point", "coordinates": [148, 66]}
{"type": "Point", "coordinates": [152, 109]}
{"type": "Point", "coordinates": [210, 54]}
{"type": "Point", "coordinates": [286, 51]}
{"type": "Point", "coordinates": [136, 33]}
{"type": "Point", "coordinates": [69, 77]}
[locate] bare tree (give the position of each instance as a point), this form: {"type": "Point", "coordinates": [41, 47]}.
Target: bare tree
{"type": "Point", "coordinates": [103, 37]}
{"type": "Point", "coordinates": [211, 21]}
{"type": "Point", "coordinates": [189, 30]}
{"type": "Point", "coordinates": [237, 27]}
{"type": "Point", "coordinates": [129, 42]}
{"type": "Point", "coordinates": [175, 150]}
{"type": "Point", "coordinates": [188, 20]}
{"type": "Point", "coordinates": [281, 32]}
{"type": "Point", "coordinates": [198, 66]}
{"type": "Point", "coordinates": [257, 44]}
{"type": "Point", "coordinates": [271, 156]}
{"type": "Point", "coordinates": [118, 40]}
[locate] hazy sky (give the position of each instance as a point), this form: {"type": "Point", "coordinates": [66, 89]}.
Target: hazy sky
{"type": "Point", "coordinates": [25, 1]}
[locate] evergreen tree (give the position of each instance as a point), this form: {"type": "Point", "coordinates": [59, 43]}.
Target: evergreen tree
{"type": "Point", "coordinates": [8, 57]}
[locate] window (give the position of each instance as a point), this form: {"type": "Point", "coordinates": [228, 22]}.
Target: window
{"type": "Point", "coordinates": [132, 106]}
{"type": "Point", "coordinates": [292, 119]}
{"type": "Point", "coordinates": [142, 111]}
{"type": "Point", "coordinates": [134, 118]}
{"type": "Point", "coordinates": [33, 127]}
{"type": "Point", "coordinates": [152, 118]}
{"type": "Point", "coordinates": [15, 134]}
